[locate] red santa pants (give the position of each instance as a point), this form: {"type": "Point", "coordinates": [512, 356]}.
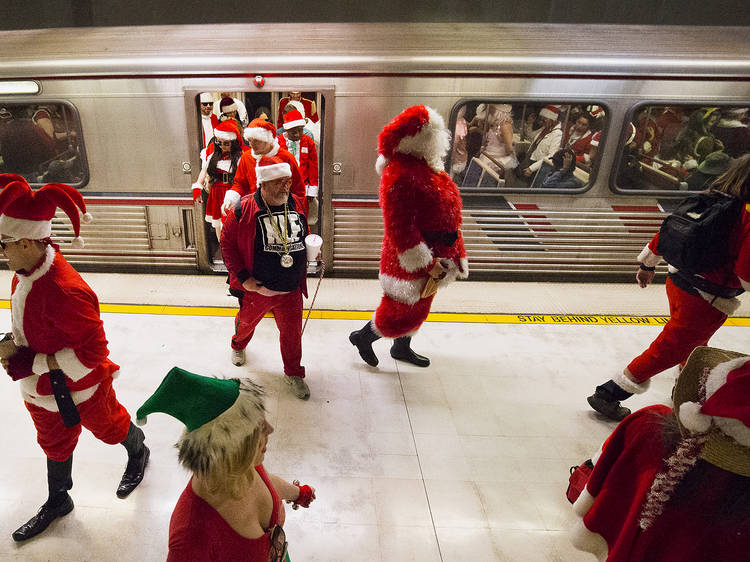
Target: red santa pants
{"type": "Point", "coordinates": [101, 414]}
{"type": "Point", "coordinates": [692, 322]}
{"type": "Point", "coordinates": [287, 311]}
{"type": "Point", "coordinates": [394, 319]}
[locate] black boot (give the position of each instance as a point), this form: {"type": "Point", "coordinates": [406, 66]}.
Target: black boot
{"type": "Point", "coordinates": [401, 350]}
{"type": "Point", "coordinates": [57, 505]}
{"type": "Point", "coordinates": [606, 401]}
{"type": "Point", "coordinates": [138, 455]}
{"type": "Point", "coordinates": [363, 339]}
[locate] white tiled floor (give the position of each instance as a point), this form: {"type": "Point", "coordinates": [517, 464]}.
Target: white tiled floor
{"type": "Point", "coordinates": [464, 461]}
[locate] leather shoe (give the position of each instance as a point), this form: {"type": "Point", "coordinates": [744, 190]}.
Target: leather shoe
{"type": "Point", "coordinates": [133, 473]}
{"type": "Point", "coordinates": [608, 408]}
{"type": "Point", "coordinates": [409, 356]}
{"type": "Point", "coordinates": [43, 518]}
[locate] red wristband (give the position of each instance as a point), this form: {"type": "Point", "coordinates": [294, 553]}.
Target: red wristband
{"type": "Point", "coordinates": [305, 495]}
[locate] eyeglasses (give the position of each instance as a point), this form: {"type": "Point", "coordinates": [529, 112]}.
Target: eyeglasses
{"type": "Point", "coordinates": [278, 545]}
{"type": "Point", "coordinates": [4, 242]}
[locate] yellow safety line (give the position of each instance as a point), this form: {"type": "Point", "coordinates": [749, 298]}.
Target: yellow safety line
{"type": "Point", "coordinates": [573, 319]}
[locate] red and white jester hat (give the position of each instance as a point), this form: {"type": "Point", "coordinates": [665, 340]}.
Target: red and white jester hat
{"type": "Point", "coordinates": [418, 130]}
{"type": "Point", "coordinates": [25, 213]}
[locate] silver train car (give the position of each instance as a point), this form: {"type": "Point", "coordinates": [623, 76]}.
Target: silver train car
{"type": "Point", "coordinates": [120, 107]}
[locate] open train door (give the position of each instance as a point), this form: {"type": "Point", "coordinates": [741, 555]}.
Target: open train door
{"type": "Point", "coordinates": [217, 101]}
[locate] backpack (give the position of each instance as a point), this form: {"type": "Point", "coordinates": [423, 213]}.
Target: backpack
{"type": "Point", "coordinates": [695, 237]}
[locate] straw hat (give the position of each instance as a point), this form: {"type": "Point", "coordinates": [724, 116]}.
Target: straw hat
{"type": "Point", "coordinates": [717, 413]}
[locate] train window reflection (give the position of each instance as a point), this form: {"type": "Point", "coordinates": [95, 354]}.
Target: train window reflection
{"type": "Point", "coordinates": [540, 146]}
{"type": "Point", "coordinates": [681, 147]}
{"type": "Point", "coordinates": [42, 142]}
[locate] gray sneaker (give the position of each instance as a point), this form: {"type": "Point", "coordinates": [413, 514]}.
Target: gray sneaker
{"type": "Point", "coordinates": [299, 387]}
{"type": "Point", "coordinates": [238, 357]}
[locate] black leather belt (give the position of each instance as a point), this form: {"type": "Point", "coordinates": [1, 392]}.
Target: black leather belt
{"type": "Point", "coordinates": [65, 404]}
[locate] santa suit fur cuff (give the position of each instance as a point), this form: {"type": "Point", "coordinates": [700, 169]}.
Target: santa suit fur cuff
{"type": "Point", "coordinates": [648, 257]}
{"type": "Point", "coordinates": [231, 197]}
{"type": "Point", "coordinates": [629, 385]}
{"type": "Point", "coordinates": [415, 258]}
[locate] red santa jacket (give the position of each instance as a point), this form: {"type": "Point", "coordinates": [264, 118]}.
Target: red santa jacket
{"type": "Point", "coordinates": [421, 208]}
{"type": "Point", "coordinates": [308, 160]}
{"type": "Point", "coordinates": [245, 181]}
{"type": "Point", "coordinates": [54, 311]}
{"type": "Point", "coordinates": [238, 241]}
{"type": "Point", "coordinates": [610, 505]}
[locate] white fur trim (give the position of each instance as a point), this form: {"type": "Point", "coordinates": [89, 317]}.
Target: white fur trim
{"type": "Point", "coordinates": [231, 197]}
{"type": "Point", "coordinates": [47, 401]}
{"type": "Point", "coordinates": [692, 418]}
{"type": "Point", "coordinates": [228, 108]}
{"type": "Point", "coordinates": [716, 379]}
{"type": "Point", "coordinates": [78, 243]}
{"type": "Point", "coordinates": [70, 365]}
{"type": "Point", "coordinates": [87, 218]}
{"type": "Point", "coordinates": [431, 143]}
{"type": "Point", "coordinates": [415, 258]}
{"type": "Point", "coordinates": [299, 105]}
{"type": "Point", "coordinates": [23, 228]}
{"type": "Point", "coordinates": [18, 300]}
{"type": "Point", "coordinates": [549, 114]}
{"type": "Point", "coordinates": [464, 268]}
{"type": "Point", "coordinates": [648, 258]}
{"type": "Point", "coordinates": [293, 124]}
{"type": "Point", "coordinates": [727, 306]}
{"type": "Point", "coordinates": [402, 290]}
{"type": "Point", "coordinates": [225, 135]}
{"type": "Point", "coordinates": [380, 164]}
{"type": "Point", "coordinates": [259, 133]}
{"type": "Point", "coordinates": [630, 385]}
{"type": "Point", "coordinates": [735, 429]}
{"type": "Point", "coordinates": [224, 165]}
{"type": "Point", "coordinates": [583, 539]}
{"type": "Point", "coordinates": [583, 503]}
{"type": "Point", "coordinates": [312, 191]}
{"type": "Point", "coordinates": [39, 367]}
{"type": "Point", "coordinates": [273, 172]}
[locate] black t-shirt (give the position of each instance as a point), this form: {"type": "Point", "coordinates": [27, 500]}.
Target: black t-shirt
{"type": "Point", "coordinates": [267, 266]}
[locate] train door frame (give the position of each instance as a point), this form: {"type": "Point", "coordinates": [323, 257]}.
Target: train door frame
{"type": "Point", "coordinates": [326, 108]}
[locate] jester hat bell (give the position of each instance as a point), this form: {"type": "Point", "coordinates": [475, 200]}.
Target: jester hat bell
{"type": "Point", "coordinates": [25, 213]}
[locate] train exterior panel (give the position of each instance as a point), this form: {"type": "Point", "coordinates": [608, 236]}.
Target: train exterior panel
{"type": "Point", "coordinates": [134, 93]}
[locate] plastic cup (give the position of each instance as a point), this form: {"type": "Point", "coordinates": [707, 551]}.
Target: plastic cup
{"type": "Point", "coordinates": [313, 243]}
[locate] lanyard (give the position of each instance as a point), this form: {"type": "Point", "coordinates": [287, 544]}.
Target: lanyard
{"type": "Point", "coordinates": [275, 226]}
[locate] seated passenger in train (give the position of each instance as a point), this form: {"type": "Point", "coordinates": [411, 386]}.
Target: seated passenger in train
{"type": "Point", "coordinates": [231, 508]}
{"type": "Point", "coordinates": [578, 136]}
{"type": "Point", "coordinates": [647, 134]}
{"type": "Point", "coordinates": [563, 166]}
{"type": "Point", "coordinates": [241, 109]}
{"type": "Point", "coordinates": [733, 132]}
{"type": "Point", "coordinates": [674, 483]}
{"type": "Point", "coordinates": [697, 139]}
{"type": "Point", "coordinates": [544, 144]}
{"type": "Point", "coordinates": [307, 105]}
{"type": "Point", "coordinates": [707, 171]}
{"type": "Point", "coordinates": [529, 128]}
{"type": "Point", "coordinates": [229, 111]}
{"type": "Point", "coordinates": [302, 147]}
{"type": "Point", "coordinates": [495, 121]}
{"type": "Point", "coordinates": [209, 120]}
{"type": "Point", "coordinates": [668, 125]}
{"type": "Point", "coordinates": [25, 148]}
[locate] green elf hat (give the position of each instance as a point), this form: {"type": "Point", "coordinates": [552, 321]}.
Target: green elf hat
{"type": "Point", "coordinates": [192, 399]}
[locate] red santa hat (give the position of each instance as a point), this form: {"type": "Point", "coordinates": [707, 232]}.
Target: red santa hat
{"type": "Point", "coordinates": [596, 111]}
{"type": "Point", "coordinates": [227, 130]}
{"type": "Point", "coordinates": [418, 130]}
{"type": "Point", "coordinates": [25, 213]}
{"type": "Point", "coordinates": [270, 168]}
{"type": "Point", "coordinates": [596, 138]}
{"type": "Point", "coordinates": [206, 97]}
{"type": "Point", "coordinates": [227, 105]}
{"type": "Point", "coordinates": [550, 112]}
{"type": "Point", "coordinates": [261, 129]}
{"type": "Point", "coordinates": [293, 119]}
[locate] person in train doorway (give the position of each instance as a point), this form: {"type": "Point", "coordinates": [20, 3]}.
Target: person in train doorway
{"type": "Point", "coordinates": [263, 243]}
{"type": "Point", "coordinates": [423, 248]}
{"type": "Point", "coordinates": [261, 135]}
{"type": "Point", "coordinates": [239, 107]}
{"type": "Point", "coordinates": [695, 312]}
{"type": "Point", "coordinates": [302, 147]}
{"type": "Point", "coordinates": [308, 106]}
{"type": "Point", "coordinates": [544, 145]}
{"type": "Point", "coordinates": [57, 348]}
{"type": "Point", "coordinates": [209, 121]}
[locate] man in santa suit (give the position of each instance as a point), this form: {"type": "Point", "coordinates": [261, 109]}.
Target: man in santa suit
{"type": "Point", "coordinates": [302, 147]}
{"type": "Point", "coordinates": [240, 107]}
{"type": "Point", "coordinates": [58, 349]}
{"type": "Point", "coordinates": [545, 143]}
{"type": "Point", "coordinates": [209, 121]}
{"type": "Point", "coordinates": [423, 248]}
{"type": "Point", "coordinates": [309, 106]}
{"type": "Point", "coordinates": [261, 135]}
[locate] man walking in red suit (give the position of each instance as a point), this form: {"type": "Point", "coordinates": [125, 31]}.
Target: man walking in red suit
{"type": "Point", "coordinates": [58, 349]}
{"type": "Point", "coordinates": [263, 244]}
{"type": "Point", "coordinates": [423, 248]}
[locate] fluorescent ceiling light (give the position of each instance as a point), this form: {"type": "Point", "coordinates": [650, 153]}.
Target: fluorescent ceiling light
{"type": "Point", "coordinates": [19, 87]}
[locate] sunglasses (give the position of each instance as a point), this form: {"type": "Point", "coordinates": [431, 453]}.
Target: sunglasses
{"type": "Point", "coordinates": [207, 103]}
{"type": "Point", "coordinates": [5, 241]}
{"type": "Point", "coordinates": [278, 545]}
{"type": "Point", "coordinates": [224, 143]}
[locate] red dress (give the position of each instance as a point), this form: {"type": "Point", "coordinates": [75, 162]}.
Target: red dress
{"type": "Point", "coordinates": [198, 533]}
{"type": "Point", "coordinates": [217, 190]}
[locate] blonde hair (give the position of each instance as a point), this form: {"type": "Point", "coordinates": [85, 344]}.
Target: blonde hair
{"type": "Point", "coordinates": [736, 180]}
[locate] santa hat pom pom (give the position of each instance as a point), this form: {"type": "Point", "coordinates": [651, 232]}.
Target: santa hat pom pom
{"type": "Point", "coordinates": [692, 418]}
{"type": "Point", "coordinates": [77, 242]}
{"type": "Point", "coordinates": [380, 164]}
{"type": "Point", "coordinates": [87, 218]}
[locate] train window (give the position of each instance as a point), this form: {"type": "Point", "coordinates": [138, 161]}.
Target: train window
{"type": "Point", "coordinates": [499, 146]}
{"type": "Point", "coordinates": [42, 142]}
{"type": "Point", "coordinates": [680, 147]}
